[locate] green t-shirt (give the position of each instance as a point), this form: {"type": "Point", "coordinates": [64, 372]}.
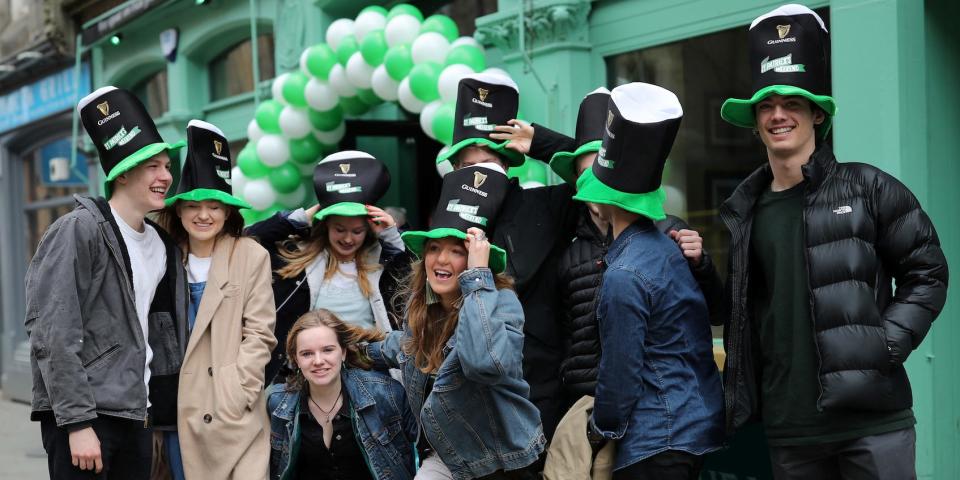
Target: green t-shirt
{"type": "Point", "coordinates": [779, 290]}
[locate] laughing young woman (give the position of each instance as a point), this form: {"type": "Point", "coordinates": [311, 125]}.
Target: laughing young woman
{"type": "Point", "coordinates": [222, 425]}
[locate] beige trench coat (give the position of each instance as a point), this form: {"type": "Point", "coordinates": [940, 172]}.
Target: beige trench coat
{"type": "Point", "coordinates": [222, 415]}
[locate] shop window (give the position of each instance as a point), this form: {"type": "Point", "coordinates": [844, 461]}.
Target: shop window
{"type": "Point", "coordinates": [465, 13]}
{"type": "Point", "coordinates": [710, 157]}
{"type": "Point", "coordinates": [231, 73]}
{"type": "Point", "coordinates": [49, 187]}
{"type": "Point", "coordinates": [152, 91]}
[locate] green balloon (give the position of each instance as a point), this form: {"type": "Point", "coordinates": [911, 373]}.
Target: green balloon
{"type": "Point", "coordinates": [293, 88]}
{"type": "Point", "coordinates": [250, 163]}
{"type": "Point", "coordinates": [305, 150]}
{"type": "Point", "coordinates": [268, 116]}
{"type": "Point", "coordinates": [423, 81]}
{"type": "Point", "coordinates": [374, 8]}
{"type": "Point", "coordinates": [367, 96]}
{"type": "Point", "coordinates": [443, 123]}
{"type": "Point", "coordinates": [285, 178]}
{"type": "Point", "coordinates": [441, 24]}
{"type": "Point", "coordinates": [398, 62]}
{"type": "Point", "coordinates": [327, 120]}
{"type": "Point", "coordinates": [374, 47]}
{"type": "Point", "coordinates": [348, 46]}
{"type": "Point", "coordinates": [468, 55]}
{"type": "Point", "coordinates": [353, 106]}
{"type": "Point", "coordinates": [405, 9]}
{"type": "Point", "coordinates": [320, 59]}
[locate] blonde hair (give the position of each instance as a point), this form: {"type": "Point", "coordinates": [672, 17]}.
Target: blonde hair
{"type": "Point", "coordinates": [349, 337]}
{"type": "Point", "coordinates": [299, 255]}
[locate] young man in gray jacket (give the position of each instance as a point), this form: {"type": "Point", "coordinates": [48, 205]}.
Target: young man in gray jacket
{"type": "Point", "coordinates": [106, 306]}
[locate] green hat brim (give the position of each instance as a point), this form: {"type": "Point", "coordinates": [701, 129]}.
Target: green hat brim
{"type": "Point", "coordinates": [201, 194]}
{"type": "Point", "coordinates": [650, 204]}
{"type": "Point", "coordinates": [136, 158]}
{"type": "Point", "coordinates": [343, 209]}
{"type": "Point", "coordinates": [740, 112]}
{"type": "Point", "coordinates": [563, 165]}
{"type": "Point", "coordinates": [514, 158]}
{"type": "Point", "coordinates": [415, 240]}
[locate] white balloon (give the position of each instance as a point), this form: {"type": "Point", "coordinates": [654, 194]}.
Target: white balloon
{"type": "Point", "coordinates": [237, 181]}
{"type": "Point", "coordinates": [426, 117]}
{"type": "Point", "coordinates": [449, 81]}
{"type": "Point", "coordinates": [320, 95]}
{"type": "Point", "coordinates": [259, 194]}
{"type": "Point", "coordinates": [337, 30]}
{"type": "Point", "coordinates": [294, 122]}
{"type": "Point", "coordinates": [430, 47]}
{"type": "Point", "coordinates": [367, 22]}
{"type": "Point", "coordinates": [339, 82]}
{"type": "Point", "coordinates": [497, 71]}
{"type": "Point", "coordinates": [254, 132]}
{"type": "Point", "coordinates": [401, 29]}
{"type": "Point", "coordinates": [332, 137]}
{"type": "Point", "coordinates": [276, 88]}
{"type": "Point", "coordinates": [409, 102]}
{"type": "Point", "coordinates": [466, 41]}
{"type": "Point", "coordinates": [359, 71]}
{"type": "Point", "coordinates": [273, 150]}
{"type": "Point", "coordinates": [295, 198]}
{"type": "Point", "coordinates": [444, 167]}
{"type": "Point", "coordinates": [383, 84]}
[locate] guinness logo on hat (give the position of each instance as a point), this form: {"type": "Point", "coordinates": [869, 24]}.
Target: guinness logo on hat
{"type": "Point", "coordinates": [345, 182]}
{"type": "Point", "coordinates": [206, 171]}
{"type": "Point", "coordinates": [345, 167]}
{"type": "Point", "coordinates": [483, 94]}
{"type": "Point", "coordinates": [217, 146]}
{"type": "Point", "coordinates": [783, 30]}
{"type": "Point", "coordinates": [104, 108]}
{"type": "Point", "coordinates": [478, 179]}
{"type": "Point", "coordinates": [483, 101]}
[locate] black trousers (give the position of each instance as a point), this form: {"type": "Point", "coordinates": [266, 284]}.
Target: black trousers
{"type": "Point", "coordinates": [126, 448]}
{"type": "Point", "coordinates": [669, 465]}
{"type": "Point", "coordinates": [887, 456]}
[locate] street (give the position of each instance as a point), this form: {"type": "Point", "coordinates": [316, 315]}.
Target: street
{"type": "Point", "coordinates": [21, 453]}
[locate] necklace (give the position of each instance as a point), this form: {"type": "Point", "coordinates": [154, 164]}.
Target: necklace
{"type": "Point", "coordinates": [332, 408]}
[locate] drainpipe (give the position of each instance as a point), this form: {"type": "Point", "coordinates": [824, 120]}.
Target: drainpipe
{"type": "Point", "coordinates": [253, 51]}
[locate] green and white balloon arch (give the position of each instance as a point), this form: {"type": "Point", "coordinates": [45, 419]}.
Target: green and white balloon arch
{"type": "Point", "coordinates": [380, 56]}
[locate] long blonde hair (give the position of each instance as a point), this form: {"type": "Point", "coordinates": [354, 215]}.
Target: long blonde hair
{"type": "Point", "coordinates": [299, 254]}
{"type": "Point", "coordinates": [430, 326]}
{"type": "Point", "coordinates": [349, 337]}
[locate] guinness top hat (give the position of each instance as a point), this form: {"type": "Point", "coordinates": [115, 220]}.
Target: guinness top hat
{"type": "Point", "coordinates": [122, 130]}
{"type": "Point", "coordinates": [206, 172]}
{"type": "Point", "coordinates": [484, 101]}
{"type": "Point", "coordinates": [641, 124]}
{"type": "Point", "coordinates": [788, 56]}
{"type": "Point", "coordinates": [346, 182]}
{"type": "Point", "coordinates": [593, 109]}
{"type": "Point", "coordinates": [470, 197]}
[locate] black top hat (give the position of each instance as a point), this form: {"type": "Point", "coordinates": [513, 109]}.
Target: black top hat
{"type": "Point", "coordinates": [122, 130]}
{"type": "Point", "coordinates": [788, 56]}
{"type": "Point", "coordinates": [641, 125]}
{"type": "Point", "coordinates": [206, 171]}
{"type": "Point", "coordinates": [470, 197]}
{"type": "Point", "coordinates": [590, 121]}
{"type": "Point", "coordinates": [484, 101]}
{"type": "Point", "coordinates": [346, 182]}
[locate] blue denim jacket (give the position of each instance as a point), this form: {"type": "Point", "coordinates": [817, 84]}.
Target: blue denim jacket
{"type": "Point", "coordinates": [658, 387]}
{"type": "Point", "coordinates": [478, 416]}
{"type": "Point", "coordinates": [386, 429]}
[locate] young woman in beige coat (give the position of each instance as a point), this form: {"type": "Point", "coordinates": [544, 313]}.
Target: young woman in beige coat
{"type": "Point", "coordinates": [222, 423]}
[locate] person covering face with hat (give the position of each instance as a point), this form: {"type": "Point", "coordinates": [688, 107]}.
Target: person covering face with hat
{"type": "Point", "coordinates": [105, 305]}
{"type": "Point", "coordinates": [533, 227]}
{"type": "Point", "coordinates": [336, 257]}
{"type": "Point", "coordinates": [462, 341]}
{"type": "Point", "coordinates": [222, 428]}
{"type": "Point", "coordinates": [658, 390]}
{"type": "Point", "coordinates": [817, 333]}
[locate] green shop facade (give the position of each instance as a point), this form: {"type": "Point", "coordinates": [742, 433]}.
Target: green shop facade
{"type": "Point", "coordinates": [894, 65]}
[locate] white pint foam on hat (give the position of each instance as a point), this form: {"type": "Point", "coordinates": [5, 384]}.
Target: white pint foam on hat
{"type": "Point", "coordinates": [494, 79]}
{"type": "Point", "coordinates": [646, 103]}
{"type": "Point", "coordinates": [346, 155]}
{"type": "Point", "coordinates": [789, 10]}
{"type": "Point", "coordinates": [93, 96]}
{"type": "Point", "coordinates": [206, 126]}
{"type": "Point", "coordinates": [491, 166]}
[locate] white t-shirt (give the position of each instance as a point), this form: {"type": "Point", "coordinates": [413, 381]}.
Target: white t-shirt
{"type": "Point", "coordinates": [148, 260]}
{"type": "Point", "coordinates": [340, 294]}
{"type": "Point", "coordinates": [198, 268]}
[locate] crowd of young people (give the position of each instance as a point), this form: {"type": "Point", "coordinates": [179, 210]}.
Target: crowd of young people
{"type": "Point", "coordinates": [534, 332]}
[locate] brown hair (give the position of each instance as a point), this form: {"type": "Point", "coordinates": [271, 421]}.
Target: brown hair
{"type": "Point", "coordinates": [430, 326]}
{"type": "Point", "coordinates": [348, 336]}
{"type": "Point", "coordinates": [169, 220]}
{"type": "Point", "coordinates": [299, 254]}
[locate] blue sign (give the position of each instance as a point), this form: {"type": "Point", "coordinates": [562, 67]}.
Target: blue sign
{"type": "Point", "coordinates": [55, 168]}
{"type": "Point", "coordinates": [52, 94]}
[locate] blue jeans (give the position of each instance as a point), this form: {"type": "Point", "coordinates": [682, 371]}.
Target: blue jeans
{"type": "Point", "coordinates": [171, 446]}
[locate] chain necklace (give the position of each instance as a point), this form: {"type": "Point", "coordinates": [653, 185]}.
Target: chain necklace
{"type": "Point", "coordinates": [332, 408]}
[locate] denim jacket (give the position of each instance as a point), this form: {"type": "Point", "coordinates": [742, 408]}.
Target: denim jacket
{"type": "Point", "coordinates": [478, 416]}
{"type": "Point", "coordinates": [658, 387]}
{"type": "Point", "coordinates": [386, 429]}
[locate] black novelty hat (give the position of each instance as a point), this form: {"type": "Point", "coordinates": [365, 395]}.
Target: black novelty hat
{"type": "Point", "coordinates": [346, 182]}
{"type": "Point", "coordinates": [206, 172]}
{"type": "Point", "coordinates": [590, 121]}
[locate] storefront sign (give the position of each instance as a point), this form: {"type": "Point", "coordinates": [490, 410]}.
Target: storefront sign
{"type": "Point", "coordinates": [52, 94]}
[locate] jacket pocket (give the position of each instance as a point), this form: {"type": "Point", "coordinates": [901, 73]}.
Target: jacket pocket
{"type": "Point", "coordinates": [101, 358]}
{"type": "Point", "coordinates": [232, 399]}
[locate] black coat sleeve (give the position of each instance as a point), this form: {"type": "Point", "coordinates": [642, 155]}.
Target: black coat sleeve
{"type": "Point", "coordinates": [275, 229]}
{"type": "Point", "coordinates": [547, 142]}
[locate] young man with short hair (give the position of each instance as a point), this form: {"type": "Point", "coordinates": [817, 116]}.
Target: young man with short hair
{"type": "Point", "coordinates": [817, 336]}
{"type": "Point", "coordinates": [106, 306]}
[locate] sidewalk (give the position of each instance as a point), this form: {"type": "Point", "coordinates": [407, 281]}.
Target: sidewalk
{"type": "Point", "coordinates": [21, 452]}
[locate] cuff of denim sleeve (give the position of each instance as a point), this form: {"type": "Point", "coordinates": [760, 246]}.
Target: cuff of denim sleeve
{"type": "Point", "coordinates": [476, 279]}
{"type": "Point", "coordinates": [609, 435]}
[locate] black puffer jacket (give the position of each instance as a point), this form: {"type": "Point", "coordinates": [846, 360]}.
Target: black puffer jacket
{"type": "Point", "coordinates": [581, 273]}
{"type": "Point", "coordinates": [862, 228]}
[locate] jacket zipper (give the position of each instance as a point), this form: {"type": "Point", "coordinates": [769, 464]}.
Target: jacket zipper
{"type": "Point", "coordinates": [813, 323]}
{"type": "Point", "coordinates": [739, 265]}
